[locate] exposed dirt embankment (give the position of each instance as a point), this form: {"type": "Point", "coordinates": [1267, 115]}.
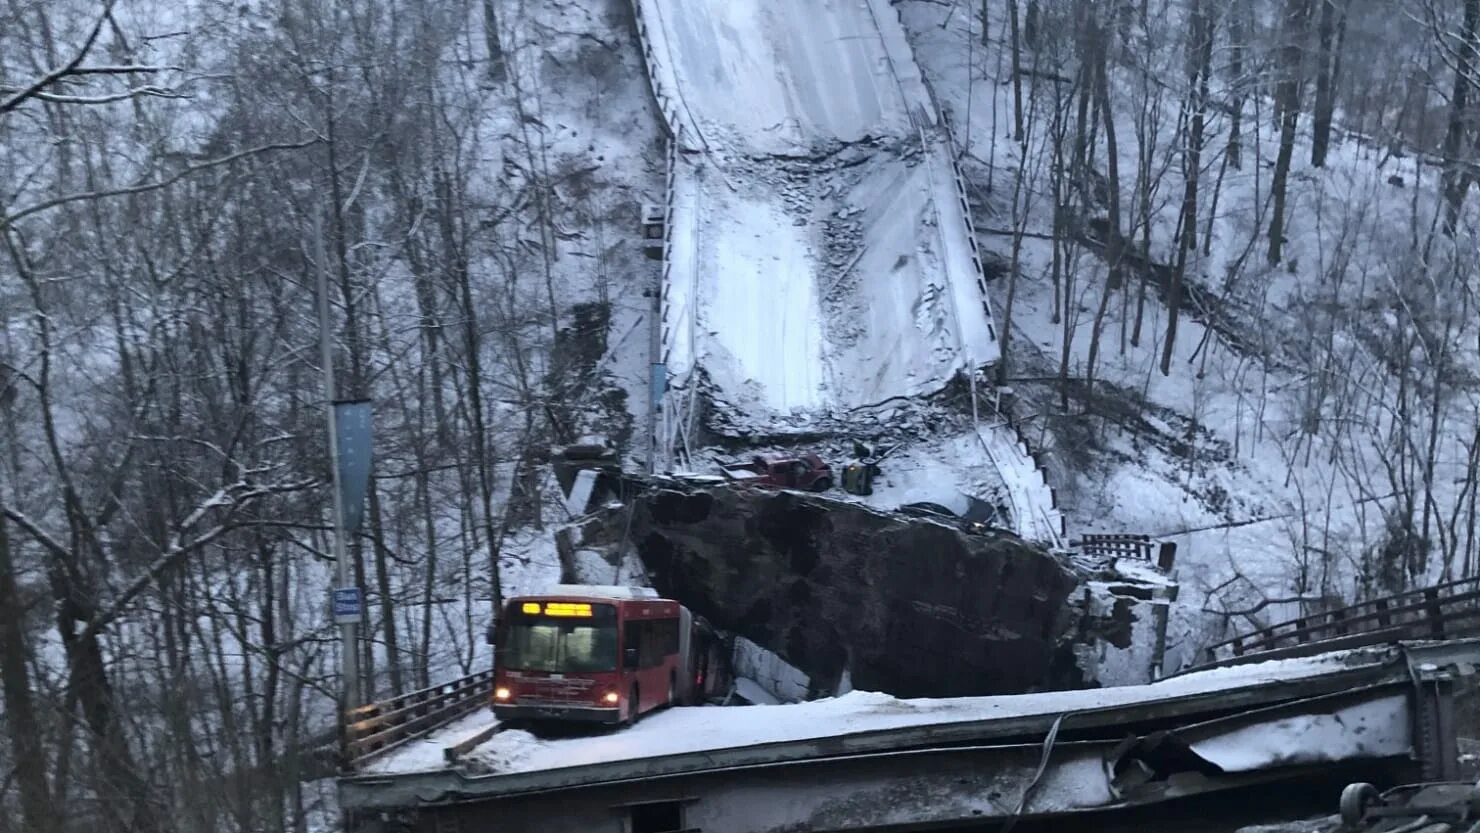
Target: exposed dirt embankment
{"type": "Point", "coordinates": [915, 609]}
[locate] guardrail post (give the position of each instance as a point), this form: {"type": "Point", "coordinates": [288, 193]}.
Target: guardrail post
{"type": "Point", "coordinates": [1167, 556]}
{"type": "Point", "coordinates": [1302, 634]}
{"type": "Point", "coordinates": [1384, 619]}
{"type": "Point", "coordinates": [1238, 646]}
{"type": "Point", "coordinates": [1338, 622]}
{"type": "Point", "coordinates": [1435, 612]}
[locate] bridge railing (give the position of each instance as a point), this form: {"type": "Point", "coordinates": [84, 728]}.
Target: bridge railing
{"type": "Point", "coordinates": [377, 728]}
{"type": "Point", "coordinates": [1135, 547]}
{"type": "Point", "coordinates": [1439, 612]}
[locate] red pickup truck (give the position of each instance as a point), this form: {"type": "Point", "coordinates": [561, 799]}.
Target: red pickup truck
{"type": "Point", "coordinates": [803, 471]}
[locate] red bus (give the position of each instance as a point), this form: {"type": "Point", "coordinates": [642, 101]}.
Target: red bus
{"type": "Point", "coordinates": [601, 654]}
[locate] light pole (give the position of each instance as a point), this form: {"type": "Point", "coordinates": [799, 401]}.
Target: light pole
{"type": "Point", "coordinates": [346, 596]}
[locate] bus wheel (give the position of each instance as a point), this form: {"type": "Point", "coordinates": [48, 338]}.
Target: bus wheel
{"type": "Point", "coordinates": [634, 706]}
{"type": "Point", "coordinates": [1356, 799]}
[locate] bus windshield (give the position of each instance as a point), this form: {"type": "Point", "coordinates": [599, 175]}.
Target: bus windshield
{"type": "Point", "coordinates": [561, 646]}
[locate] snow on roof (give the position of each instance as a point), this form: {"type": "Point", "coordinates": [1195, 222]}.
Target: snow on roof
{"type": "Point", "coordinates": [601, 591]}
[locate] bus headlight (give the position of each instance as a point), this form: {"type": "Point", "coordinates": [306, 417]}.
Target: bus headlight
{"type": "Point", "coordinates": [612, 697]}
{"type": "Point", "coordinates": [501, 693]}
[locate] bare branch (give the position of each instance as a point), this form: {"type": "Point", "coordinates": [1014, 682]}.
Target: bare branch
{"type": "Point", "coordinates": [124, 69]}
{"type": "Point", "coordinates": [155, 185]}
{"type": "Point", "coordinates": [232, 498]}
{"type": "Point", "coordinates": [34, 529]}
{"type": "Point", "coordinates": [69, 68]}
{"type": "Point", "coordinates": [125, 95]}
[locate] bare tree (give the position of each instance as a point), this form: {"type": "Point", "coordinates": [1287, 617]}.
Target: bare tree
{"type": "Point", "coordinates": [1287, 100]}
{"type": "Point", "coordinates": [1199, 70]}
{"type": "Point", "coordinates": [1332, 37]}
{"type": "Point", "coordinates": [1097, 53]}
{"type": "Point", "coordinates": [1466, 60]}
{"type": "Point", "coordinates": [1017, 71]}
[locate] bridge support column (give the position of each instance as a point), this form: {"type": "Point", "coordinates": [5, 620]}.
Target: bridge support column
{"type": "Point", "coordinates": [1436, 748]}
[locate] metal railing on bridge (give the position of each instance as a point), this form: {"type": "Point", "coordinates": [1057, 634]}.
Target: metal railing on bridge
{"type": "Point", "coordinates": [377, 728]}
{"type": "Point", "coordinates": [1135, 547]}
{"type": "Point", "coordinates": [1443, 611]}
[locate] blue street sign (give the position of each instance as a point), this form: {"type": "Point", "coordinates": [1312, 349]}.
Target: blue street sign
{"type": "Point", "coordinates": [352, 423]}
{"type": "Point", "coordinates": [348, 605]}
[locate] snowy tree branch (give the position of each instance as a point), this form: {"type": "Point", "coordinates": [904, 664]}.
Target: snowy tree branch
{"type": "Point", "coordinates": [72, 67]}
{"type": "Point", "coordinates": [123, 69]}
{"type": "Point", "coordinates": [34, 529]}
{"type": "Point", "coordinates": [154, 185]}
{"type": "Point", "coordinates": [124, 95]}
{"type": "Point", "coordinates": [234, 497]}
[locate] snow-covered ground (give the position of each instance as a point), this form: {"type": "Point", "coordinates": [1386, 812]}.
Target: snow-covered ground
{"type": "Point", "coordinates": [1215, 456]}
{"type": "Point", "coordinates": [692, 729]}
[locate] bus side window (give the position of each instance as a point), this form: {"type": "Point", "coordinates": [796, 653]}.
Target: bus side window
{"type": "Point", "coordinates": [652, 646]}
{"type": "Point", "coordinates": [659, 641]}
{"type": "Point", "coordinates": [632, 640]}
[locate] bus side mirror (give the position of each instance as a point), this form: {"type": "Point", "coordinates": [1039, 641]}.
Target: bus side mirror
{"type": "Point", "coordinates": [629, 658]}
{"type": "Point", "coordinates": [491, 635]}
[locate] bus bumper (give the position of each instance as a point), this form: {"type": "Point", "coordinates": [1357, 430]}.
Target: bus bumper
{"type": "Point", "coordinates": [577, 714]}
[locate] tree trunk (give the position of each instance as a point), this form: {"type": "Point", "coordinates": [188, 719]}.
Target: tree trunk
{"type": "Point", "coordinates": [1101, 51]}
{"type": "Point", "coordinates": [497, 71]}
{"type": "Point", "coordinates": [1199, 65]}
{"type": "Point", "coordinates": [20, 710]}
{"type": "Point", "coordinates": [1327, 60]}
{"type": "Point", "coordinates": [266, 729]}
{"type": "Point", "coordinates": [1236, 35]}
{"type": "Point", "coordinates": [1150, 128]}
{"type": "Point", "coordinates": [1456, 179]}
{"type": "Point", "coordinates": [383, 585]}
{"type": "Point", "coordinates": [1472, 474]}
{"type": "Point", "coordinates": [1017, 72]}
{"type": "Point", "coordinates": [429, 592]}
{"type": "Point", "coordinates": [456, 257]}
{"type": "Point", "coordinates": [1287, 94]}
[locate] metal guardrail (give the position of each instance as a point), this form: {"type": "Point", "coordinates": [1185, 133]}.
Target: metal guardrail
{"type": "Point", "coordinates": [1443, 611]}
{"type": "Point", "coordinates": [377, 728]}
{"type": "Point", "coordinates": [1137, 547]}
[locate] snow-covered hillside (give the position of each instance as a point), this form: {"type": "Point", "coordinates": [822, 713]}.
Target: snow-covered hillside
{"type": "Point", "coordinates": [1279, 451]}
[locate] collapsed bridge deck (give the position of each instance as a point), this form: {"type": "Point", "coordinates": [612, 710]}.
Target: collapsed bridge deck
{"type": "Point", "coordinates": [866, 757]}
{"type": "Point", "coordinates": [820, 253]}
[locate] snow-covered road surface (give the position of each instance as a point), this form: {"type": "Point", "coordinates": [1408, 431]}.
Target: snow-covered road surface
{"type": "Point", "coordinates": [767, 78]}
{"type": "Point", "coordinates": [694, 729]}
{"type": "Point", "coordinates": [820, 257]}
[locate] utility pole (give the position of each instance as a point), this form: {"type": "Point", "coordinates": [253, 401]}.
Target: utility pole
{"type": "Point", "coordinates": [345, 588]}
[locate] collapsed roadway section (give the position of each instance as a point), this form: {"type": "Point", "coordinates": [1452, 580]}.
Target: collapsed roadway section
{"type": "Point", "coordinates": [867, 761]}
{"type": "Point", "coordinates": [819, 255]}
